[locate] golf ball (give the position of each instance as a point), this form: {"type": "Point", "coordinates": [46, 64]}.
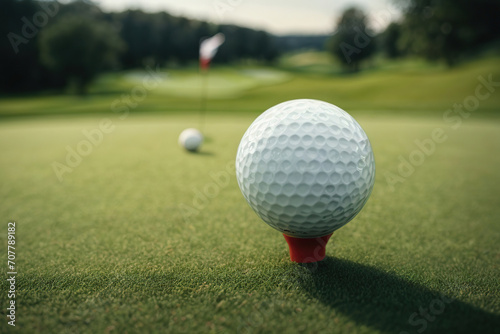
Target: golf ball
{"type": "Point", "coordinates": [306, 167]}
{"type": "Point", "coordinates": [190, 139]}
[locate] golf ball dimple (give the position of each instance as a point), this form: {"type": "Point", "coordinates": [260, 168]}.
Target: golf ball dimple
{"type": "Point", "coordinates": [306, 167]}
{"type": "Point", "coordinates": [191, 139]}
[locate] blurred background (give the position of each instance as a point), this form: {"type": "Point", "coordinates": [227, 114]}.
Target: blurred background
{"type": "Point", "coordinates": [377, 55]}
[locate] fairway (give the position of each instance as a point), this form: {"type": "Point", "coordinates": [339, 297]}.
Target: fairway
{"type": "Point", "coordinates": [143, 237]}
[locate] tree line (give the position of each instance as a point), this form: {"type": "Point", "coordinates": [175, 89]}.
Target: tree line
{"type": "Point", "coordinates": [437, 30]}
{"type": "Point", "coordinates": [46, 44]}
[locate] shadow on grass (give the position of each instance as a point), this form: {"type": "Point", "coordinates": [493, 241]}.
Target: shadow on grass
{"type": "Point", "coordinates": [202, 153]}
{"type": "Point", "coordinates": [389, 303]}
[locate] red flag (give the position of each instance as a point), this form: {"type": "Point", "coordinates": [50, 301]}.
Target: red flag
{"type": "Point", "coordinates": [208, 49]}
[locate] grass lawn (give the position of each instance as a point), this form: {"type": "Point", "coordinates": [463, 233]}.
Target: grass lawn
{"type": "Point", "coordinates": [126, 243]}
{"type": "Point", "coordinates": [402, 87]}
{"type": "Point", "coordinates": [139, 236]}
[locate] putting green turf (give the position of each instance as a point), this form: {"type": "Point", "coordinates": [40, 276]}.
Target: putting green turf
{"type": "Point", "coordinates": [126, 243]}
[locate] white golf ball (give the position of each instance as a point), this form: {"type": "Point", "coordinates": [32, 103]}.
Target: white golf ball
{"type": "Point", "coordinates": [191, 139]}
{"type": "Point", "coordinates": [306, 167]}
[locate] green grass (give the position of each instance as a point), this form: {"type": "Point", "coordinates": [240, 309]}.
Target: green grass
{"type": "Point", "coordinates": [109, 250]}
{"type": "Point", "coordinates": [404, 86]}
{"type": "Point", "coordinates": [126, 243]}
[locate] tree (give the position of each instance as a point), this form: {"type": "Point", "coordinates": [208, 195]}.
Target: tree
{"type": "Point", "coordinates": [352, 42]}
{"type": "Point", "coordinates": [20, 70]}
{"type": "Point", "coordinates": [266, 46]}
{"type": "Point", "coordinates": [79, 49]}
{"type": "Point", "coordinates": [389, 40]}
{"type": "Point", "coordinates": [244, 43]}
{"type": "Point", "coordinates": [448, 29]}
{"type": "Point", "coordinates": [146, 35]}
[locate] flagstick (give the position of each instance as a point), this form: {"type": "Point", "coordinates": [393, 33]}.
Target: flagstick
{"type": "Point", "coordinates": [208, 49]}
{"type": "Point", "coordinates": [203, 100]}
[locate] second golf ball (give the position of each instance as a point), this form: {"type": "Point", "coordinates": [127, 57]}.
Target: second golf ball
{"type": "Point", "coordinates": [191, 139]}
{"type": "Point", "coordinates": [306, 167]}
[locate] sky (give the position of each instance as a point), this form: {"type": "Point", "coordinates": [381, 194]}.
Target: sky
{"type": "Point", "coordinates": [276, 16]}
